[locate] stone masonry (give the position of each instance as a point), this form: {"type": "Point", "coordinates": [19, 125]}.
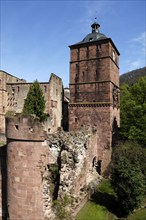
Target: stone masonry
{"type": "Point", "coordinates": [13, 92]}
{"type": "Point", "coordinates": [31, 152]}
{"type": "Point", "coordinates": [46, 172]}
{"type": "Point", "coordinates": [94, 89]}
{"type": "Point", "coordinates": [4, 79]}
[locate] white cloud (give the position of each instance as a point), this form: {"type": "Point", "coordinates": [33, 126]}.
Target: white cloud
{"type": "Point", "coordinates": [140, 41]}
{"type": "Point", "coordinates": [141, 38]}
{"type": "Point", "coordinates": [137, 52]}
{"type": "Point", "coordinates": [135, 64]}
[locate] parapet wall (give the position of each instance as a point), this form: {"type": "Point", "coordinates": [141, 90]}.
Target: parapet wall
{"type": "Point", "coordinates": [24, 128]}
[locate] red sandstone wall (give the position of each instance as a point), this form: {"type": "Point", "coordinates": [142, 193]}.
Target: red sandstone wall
{"type": "Point", "coordinates": [5, 78]}
{"type": "Point", "coordinates": [24, 181]}
{"type": "Point", "coordinates": [92, 58]}
{"type": "Point", "coordinates": [100, 117]}
{"type": "Point", "coordinates": [26, 157]}
{"type": "Point", "coordinates": [91, 92]}
{"type": "Point", "coordinates": [94, 94]}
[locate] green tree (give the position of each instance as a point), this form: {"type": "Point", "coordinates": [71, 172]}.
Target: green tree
{"type": "Point", "coordinates": [128, 175]}
{"type": "Point", "coordinates": [35, 102]}
{"type": "Point", "coordinates": [133, 111]}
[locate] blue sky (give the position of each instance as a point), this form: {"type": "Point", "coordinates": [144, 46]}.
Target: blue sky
{"type": "Point", "coordinates": [35, 35]}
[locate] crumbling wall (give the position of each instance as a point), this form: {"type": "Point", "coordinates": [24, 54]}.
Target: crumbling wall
{"type": "Point", "coordinates": [4, 79]}
{"type": "Point", "coordinates": [48, 174]}
{"type": "Point", "coordinates": [75, 152]}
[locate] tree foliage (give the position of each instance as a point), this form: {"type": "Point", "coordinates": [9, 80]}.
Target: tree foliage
{"type": "Point", "coordinates": [133, 111]}
{"type": "Point", "coordinates": [128, 175]}
{"type": "Point", "coordinates": [35, 102]}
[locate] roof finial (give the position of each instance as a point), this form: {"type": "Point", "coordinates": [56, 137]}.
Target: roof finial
{"type": "Point", "coordinates": [95, 26]}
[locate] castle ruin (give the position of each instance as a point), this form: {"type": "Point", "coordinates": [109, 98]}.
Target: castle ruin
{"type": "Point", "coordinates": [13, 92]}
{"type": "Point", "coordinates": [41, 163]}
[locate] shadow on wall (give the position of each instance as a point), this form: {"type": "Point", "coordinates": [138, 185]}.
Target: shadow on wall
{"type": "Point", "coordinates": [3, 184]}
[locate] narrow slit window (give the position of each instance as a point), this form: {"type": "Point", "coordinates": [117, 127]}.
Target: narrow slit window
{"type": "Point", "coordinates": [16, 127]}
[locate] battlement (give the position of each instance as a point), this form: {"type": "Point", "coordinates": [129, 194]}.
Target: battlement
{"type": "Point", "coordinates": [24, 128]}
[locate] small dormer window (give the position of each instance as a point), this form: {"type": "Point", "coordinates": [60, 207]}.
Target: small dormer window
{"type": "Point", "coordinates": [91, 38]}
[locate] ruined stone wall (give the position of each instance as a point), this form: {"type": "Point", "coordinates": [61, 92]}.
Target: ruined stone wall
{"type": "Point", "coordinates": [4, 79]}
{"type": "Point", "coordinates": [55, 101]}
{"type": "Point", "coordinates": [44, 167]}
{"type": "Point", "coordinates": [2, 102]}
{"type": "Point", "coordinates": [76, 152]}
{"type": "Point", "coordinates": [101, 118]}
{"type": "Point", "coordinates": [17, 94]}
{"type": "Point", "coordinates": [52, 91]}
{"type": "Point", "coordinates": [13, 92]}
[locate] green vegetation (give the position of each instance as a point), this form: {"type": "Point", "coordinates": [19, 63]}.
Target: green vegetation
{"type": "Point", "coordinates": [127, 174]}
{"type": "Point", "coordinates": [139, 215]}
{"type": "Point", "coordinates": [54, 176]}
{"type": "Point", "coordinates": [133, 111]}
{"type": "Point", "coordinates": [104, 205]}
{"type": "Point", "coordinates": [100, 205]}
{"type": "Point", "coordinates": [60, 208]}
{"type": "Point", "coordinates": [92, 211]}
{"type": "Point", "coordinates": [35, 102]}
{"type": "Point", "coordinates": [105, 187]}
{"type": "Point", "coordinates": [128, 171]}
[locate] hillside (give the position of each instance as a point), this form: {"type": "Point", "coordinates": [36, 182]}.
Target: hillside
{"type": "Point", "coordinates": [132, 76]}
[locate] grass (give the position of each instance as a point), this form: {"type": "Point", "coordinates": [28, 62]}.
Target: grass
{"type": "Point", "coordinates": [103, 206]}
{"type": "Point", "coordinates": [100, 205]}
{"type": "Point", "coordinates": [138, 215]}
{"type": "Point", "coordinates": [92, 211]}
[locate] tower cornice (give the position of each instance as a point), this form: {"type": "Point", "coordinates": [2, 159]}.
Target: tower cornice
{"type": "Point", "coordinates": [97, 42]}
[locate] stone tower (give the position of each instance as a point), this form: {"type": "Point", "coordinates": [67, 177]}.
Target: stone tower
{"type": "Point", "coordinates": [94, 88]}
{"type": "Point", "coordinates": [27, 158]}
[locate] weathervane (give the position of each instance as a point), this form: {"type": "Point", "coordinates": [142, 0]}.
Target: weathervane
{"type": "Point", "coordinates": [95, 18]}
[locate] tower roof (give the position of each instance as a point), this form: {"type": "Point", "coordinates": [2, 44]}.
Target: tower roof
{"type": "Point", "coordinates": [94, 35]}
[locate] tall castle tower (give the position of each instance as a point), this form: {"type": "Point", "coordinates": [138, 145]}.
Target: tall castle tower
{"type": "Point", "coordinates": [94, 87]}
